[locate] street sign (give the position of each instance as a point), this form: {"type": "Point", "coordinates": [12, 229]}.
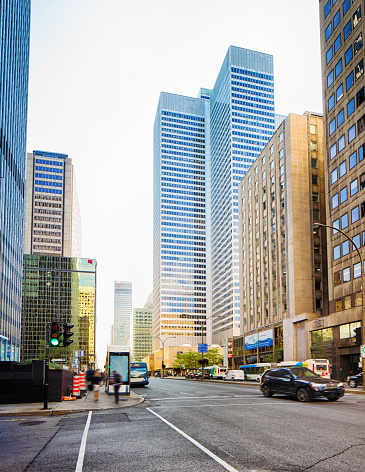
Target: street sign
{"type": "Point", "coordinates": [362, 350]}
{"type": "Point", "coordinates": [58, 361]}
{"type": "Point", "coordinates": [202, 347]}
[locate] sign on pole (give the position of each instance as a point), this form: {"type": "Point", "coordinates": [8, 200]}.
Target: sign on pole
{"type": "Point", "coordinates": [362, 350]}
{"type": "Point", "coordinates": [202, 347]}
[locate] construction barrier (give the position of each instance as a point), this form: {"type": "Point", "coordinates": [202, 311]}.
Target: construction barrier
{"type": "Point", "coordinates": [82, 384]}
{"type": "Point", "coordinates": [76, 387]}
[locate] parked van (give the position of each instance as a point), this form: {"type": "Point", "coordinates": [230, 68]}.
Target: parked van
{"type": "Point", "coordinates": [234, 375]}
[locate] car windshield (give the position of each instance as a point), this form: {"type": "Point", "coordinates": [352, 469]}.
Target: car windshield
{"type": "Point", "coordinates": [303, 372]}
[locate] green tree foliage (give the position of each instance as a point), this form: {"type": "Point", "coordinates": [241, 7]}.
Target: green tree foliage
{"type": "Point", "coordinates": [190, 360]}
{"type": "Point", "coordinates": [213, 356]}
{"type": "Point", "coordinates": [276, 356]}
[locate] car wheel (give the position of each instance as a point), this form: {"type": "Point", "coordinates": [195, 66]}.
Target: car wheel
{"type": "Point", "coordinates": [333, 398]}
{"type": "Point", "coordinates": [303, 395]}
{"type": "Point", "coordinates": [353, 383]}
{"type": "Point", "coordinates": [258, 379]}
{"type": "Point", "coordinates": [266, 391]}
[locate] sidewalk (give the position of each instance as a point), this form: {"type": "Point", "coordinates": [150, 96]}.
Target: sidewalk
{"type": "Point", "coordinates": [87, 403]}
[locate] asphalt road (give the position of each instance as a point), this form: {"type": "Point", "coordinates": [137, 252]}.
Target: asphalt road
{"type": "Point", "coordinates": [193, 426]}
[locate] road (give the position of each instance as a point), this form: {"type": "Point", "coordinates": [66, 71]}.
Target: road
{"type": "Point", "coordinates": [193, 426]}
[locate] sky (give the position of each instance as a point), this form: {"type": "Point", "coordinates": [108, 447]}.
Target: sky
{"type": "Point", "coordinates": [96, 71]}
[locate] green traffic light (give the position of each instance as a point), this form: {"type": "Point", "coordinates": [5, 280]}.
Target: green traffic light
{"type": "Point", "coordinates": [55, 342]}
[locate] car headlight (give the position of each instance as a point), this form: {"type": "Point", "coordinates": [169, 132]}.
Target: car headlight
{"type": "Point", "coordinates": [340, 385]}
{"type": "Point", "coordinates": [348, 378]}
{"type": "Point", "coordinates": [317, 387]}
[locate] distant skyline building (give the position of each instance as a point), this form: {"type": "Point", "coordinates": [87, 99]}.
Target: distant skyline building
{"type": "Point", "coordinates": [14, 69]}
{"type": "Point", "coordinates": [121, 331]}
{"type": "Point", "coordinates": [52, 214]}
{"type": "Point", "coordinates": [202, 148]}
{"type": "Point", "coordinates": [142, 333]}
{"type": "Point", "coordinates": [59, 289]}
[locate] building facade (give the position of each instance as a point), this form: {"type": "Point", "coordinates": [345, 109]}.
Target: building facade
{"type": "Point", "coordinates": [14, 65]}
{"type": "Point", "coordinates": [142, 333]}
{"type": "Point", "coordinates": [342, 56]}
{"type": "Point", "coordinates": [283, 263]}
{"type": "Point", "coordinates": [202, 148]}
{"type": "Point", "coordinates": [52, 214]}
{"type": "Point", "coordinates": [59, 289]}
{"type": "Point", "coordinates": [121, 331]}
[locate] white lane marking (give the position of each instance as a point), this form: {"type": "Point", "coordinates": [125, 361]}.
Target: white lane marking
{"type": "Point", "coordinates": [198, 445]}
{"type": "Point", "coordinates": [190, 394]}
{"type": "Point", "coordinates": [224, 404]}
{"type": "Point", "coordinates": [80, 460]}
{"type": "Point", "coordinates": [206, 396]}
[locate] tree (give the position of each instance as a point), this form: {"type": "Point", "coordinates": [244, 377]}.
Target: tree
{"type": "Point", "coordinates": [213, 356]}
{"type": "Point", "coordinates": [190, 360]}
{"type": "Point", "coordinates": [275, 356]}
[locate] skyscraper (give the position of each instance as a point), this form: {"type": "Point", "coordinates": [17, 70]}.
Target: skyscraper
{"type": "Point", "coordinates": [52, 215]}
{"type": "Point", "coordinates": [14, 65]}
{"type": "Point", "coordinates": [343, 84]}
{"type": "Point", "coordinates": [121, 333]}
{"type": "Point", "coordinates": [202, 148]}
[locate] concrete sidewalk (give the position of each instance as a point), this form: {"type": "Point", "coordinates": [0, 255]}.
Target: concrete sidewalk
{"type": "Point", "coordinates": [86, 403]}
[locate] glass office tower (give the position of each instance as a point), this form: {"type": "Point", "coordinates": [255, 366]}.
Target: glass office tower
{"type": "Point", "coordinates": [242, 122]}
{"type": "Point", "coordinates": [180, 234]}
{"type": "Point", "coordinates": [14, 65]}
{"type": "Point", "coordinates": [121, 333]}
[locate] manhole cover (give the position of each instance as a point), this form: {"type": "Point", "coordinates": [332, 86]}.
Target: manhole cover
{"type": "Point", "coordinates": [31, 423]}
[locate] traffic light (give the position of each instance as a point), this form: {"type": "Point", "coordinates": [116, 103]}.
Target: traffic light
{"type": "Point", "coordinates": [67, 333]}
{"type": "Point", "coordinates": [55, 334]}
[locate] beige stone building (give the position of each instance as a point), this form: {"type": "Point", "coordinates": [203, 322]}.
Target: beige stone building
{"type": "Point", "coordinates": [282, 263]}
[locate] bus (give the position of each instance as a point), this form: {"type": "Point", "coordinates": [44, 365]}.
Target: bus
{"type": "Point", "coordinates": [218, 371]}
{"type": "Point", "coordinates": [255, 371]}
{"type": "Point", "coordinates": [138, 374]}
{"type": "Point", "coordinates": [318, 366]}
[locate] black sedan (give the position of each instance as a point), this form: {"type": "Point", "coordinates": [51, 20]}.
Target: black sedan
{"type": "Point", "coordinates": [301, 383]}
{"type": "Point", "coordinates": [355, 380]}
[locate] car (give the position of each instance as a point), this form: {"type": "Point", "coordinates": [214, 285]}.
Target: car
{"type": "Point", "coordinates": [234, 375]}
{"type": "Point", "coordinates": [190, 375]}
{"type": "Point", "coordinates": [206, 375]}
{"type": "Point", "coordinates": [355, 380]}
{"type": "Point", "coordinates": [301, 383]}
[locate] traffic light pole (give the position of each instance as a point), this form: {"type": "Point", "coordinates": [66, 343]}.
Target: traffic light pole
{"type": "Point", "coordinates": [46, 369]}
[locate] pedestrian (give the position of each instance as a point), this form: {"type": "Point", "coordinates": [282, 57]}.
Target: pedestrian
{"type": "Point", "coordinates": [97, 381]}
{"type": "Point", "coordinates": [116, 380]}
{"type": "Point", "coordinates": [89, 377]}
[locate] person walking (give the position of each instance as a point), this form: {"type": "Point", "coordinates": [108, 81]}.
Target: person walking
{"type": "Point", "coordinates": [97, 381]}
{"type": "Point", "coordinates": [116, 380]}
{"type": "Point", "coordinates": [89, 378]}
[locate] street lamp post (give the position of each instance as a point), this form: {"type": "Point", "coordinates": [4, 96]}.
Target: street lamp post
{"type": "Point", "coordinates": [163, 353]}
{"type": "Point", "coordinates": [202, 325]}
{"type": "Point", "coordinates": [317, 225]}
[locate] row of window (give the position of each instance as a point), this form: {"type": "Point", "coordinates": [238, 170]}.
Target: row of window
{"type": "Point", "coordinates": [48, 190]}
{"type": "Point", "coordinates": [343, 221]}
{"type": "Point", "coordinates": [351, 135]}
{"type": "Point", "coordinates": [349, 54]}
{"type": "Point", "coordinates": [49, 169]}
{"type": "Point", "coordinates": [356, 17]}
{"type": "Point", "coordinates": [358, 71]}
{"type": "Point", "coordinates": [49, 163]}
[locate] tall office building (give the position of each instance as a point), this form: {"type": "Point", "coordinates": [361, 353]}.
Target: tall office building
{"type": "Point", "coordinates": [59, 289]}
{"type": "Point", "coordinates": [202, 148]}
{"type": "Point", "coordinates": [52, 215]}
{"type": "Point", "coordinates": [343, 83]}
{"type": "Point", "coordinates": [242, 122]}
{"type": "Point", "coordinates": [14, 65]}
{"type": "Point", "coordinates": [142, 330]}
{"type": "Point", "coordinates": [121, 332]}
{"type": "Point", "coordinates": [283, 265]}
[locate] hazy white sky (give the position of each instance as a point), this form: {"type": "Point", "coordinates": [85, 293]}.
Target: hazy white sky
{"type": "Point", "coordinates": [97, 68]}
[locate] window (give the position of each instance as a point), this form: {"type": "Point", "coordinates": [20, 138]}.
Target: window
{"type": "Point", "coordinates": [313, 146]}
{"type": "Point", "coordinates": [346, 277]}
{"type": "Point", "coordinates": [314, 163]}
{"type": "Point", "coordinates": [362, 209]}
{"type": "Point", "coordinates": [337, 278]}
{"type": "Point", "coordinates": [350, 107]}
{"type": "Point", "coordinates": [337, 43]}
{"type": "Point", "coordinates": [340, 118]}
{"type": "Point", "coordinates": [263, 175]}
{"type": "Point", "coordinates": [345, 6]}
{"type": "Point", "coordinates": [272, 165]}
{"type": "Point", "coordinates": [342, 169]}
{"type": "Point", "coordinates": [361, 124]}
{"type": "Point", "coordinates": [347, 30]}
{"type": "Point", "coordinates": [361, 153]}
{"type": "Point", "coordinates": [281, 170]}
{"type": "Point", "coordinates": [343, 195]}
{"type": "Point", "coordinates": [360, 97]}
{"type": "Point", "coordinates": [332, 127]}
{"type": "Point", "coordinates": [336, 20]}
{"type": "Point", "coordinates": [328, 31]}
{"type": "Point", "coordinates": [352, 160]}
{"type": "Point", "coordinates": [331, 102]}
{"type": "Point", "coordinates": [350, 81]}
{"type": "Point", "coordinates": [347, 303]}
{"type": "Point", "coordinates": [335, 201]}
{"type": "Point", "coordinates": [315, 197]}
{"type": "Point", "coordinates": [280, 137]}
{"type": "Point", "coordinates": [313, 129]}
{"type": "Point", "coordinates": [281, 153]}
{"type": "Point", "coordinates": [336, 224]}
{"type": "Point", "coordinates": [336, 252]}
{"type": "Point", "coordinates": [334, 176]}
{"type": "Point", "coordinates": [271, 149]}
{"type": "Point", "coordinates": [348, 55]}
{"type": "Point", "coordinates": [329, 54]}
{"type": "Point", "coordinates": [356, 240]}
{"type": "Point", "coordinates": [327, 8]}
{"type": "Point", "coordinates": [351, 134]}
{"type": "Point", "coordinates": [359, 69]}
{"type": "Point", "coordinates": [263, 161]}
{"type": "Point", "coordinates": [356, 17]}
{"type": "Point", "coordinates": [344, 221]}
{"type": "Point", "coordinates": [339, 93]}
{"type": "Point", "coordinates": [353, 187]}
{"type": "Point", "coordinates": [333, 151]}
{"type": "Point", "coordinates": [338, 305]}
{"type": "Point", "coordinates": [358, 43]}
{"type": "Point", "coordinates": [338, 68]}
{"type": "Point", "coordinates": [330, 78]}
{"type": "Point", "coordinates": [357, 270]}
{"type": "Point", "coordinates": [355, 215]}
{"type": "Point", "coordinates": [345, 248]}
{"type": "Point", "coordinates": [341, 143]}
{"type": "Point", "coordinates": [362, 181]}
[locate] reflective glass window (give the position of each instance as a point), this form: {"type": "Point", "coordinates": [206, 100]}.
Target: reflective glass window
{"type": "Point", "coordinates": [338, 68]}
{"type": "Point", "coordinates": [345, 6]}
{"type": "Point", "coordinates": [335, 201]}
{"type": "Point", "coordinates": [351, 133]}
{"type": "Point", "coordinates": [331, 102]}
{"type": "Point", "coordinates": [353, 160]}
{"type": "Point", "coordinates": [328, 31]}
{"type": "Point", "coordinates": [347, 30]}
{"type": "Point", "coordinates": [334, 176]}
{"type": "Point", "coordinates": [350, 107]}
{"type": "Point", "coordinates": [341, 143]}
{"type": "Point", "coordinates": [339, 93]}
{"type": "Point", "coordinates": [344, 221]}
{"type": "Point", "coordinates": [354, 188]}
{"type": "Point", "coordinates": [343, 195]}
{"type": "Point", "coordinates": [355, 214]}
{"type": "Point", "coordinates": [337, 43]}
{"type": "Point", "coordinates": [348, 55]}
{"type": "Point", "coordinates": [342, 169]}
{"type": "Point", "coordinates": [336, 252]}
{"type": "Point", "coordinates": [333, 151]}
{"type": "Point", "coordinates": [345, 248]}
{"type": "Point", "coordinates": [340, 118]}
{"type": "Point", "coordinates": [332, 127]}
{"type": "Point", "coordinates": [330, 78]}
{"type": "Point", "coordinates": [358, 43]}
{"type": "Point", "coordinates": [329, 54]}
{"type": "Point", "coordinates": [327, 8]}
{"type": "Point", "coordinates": [336, 20]}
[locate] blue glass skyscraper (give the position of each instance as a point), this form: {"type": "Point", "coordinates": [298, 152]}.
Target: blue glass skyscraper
{"type": "Point", "coordinates": [202, 148]}
{"type": "Point", "coordinates": [242, 122]}
{"type": "Point", "coordinates": [14, 66]}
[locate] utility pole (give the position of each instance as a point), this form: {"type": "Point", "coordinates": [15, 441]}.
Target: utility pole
{"type": "Point", "coordinates": [46, 369]}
